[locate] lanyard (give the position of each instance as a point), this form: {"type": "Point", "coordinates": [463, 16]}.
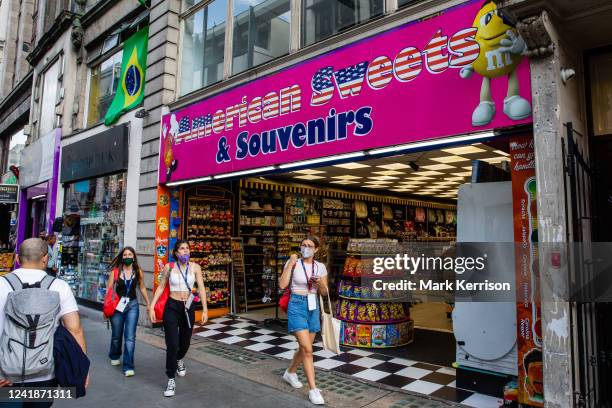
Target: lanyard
{"type": "Point", "coordinates": [127, 287]}
{"type": "Point", "coordinates": [314, 272]}
{"type": "Point", "coordinates": [185, 276]}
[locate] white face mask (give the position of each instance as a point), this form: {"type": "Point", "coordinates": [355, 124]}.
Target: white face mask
{"type": "Point", "coordinates": [307, 252]}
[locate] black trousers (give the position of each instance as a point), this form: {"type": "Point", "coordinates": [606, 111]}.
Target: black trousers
{"type": "Point", "coordinates": [177, 331]}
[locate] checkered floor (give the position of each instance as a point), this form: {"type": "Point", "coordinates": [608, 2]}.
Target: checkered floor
{"type": "Point", "coordinates": [408, 375]}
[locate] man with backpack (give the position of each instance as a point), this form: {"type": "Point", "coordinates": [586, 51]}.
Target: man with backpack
{"type": "Point", "coordinates": [31, 305]}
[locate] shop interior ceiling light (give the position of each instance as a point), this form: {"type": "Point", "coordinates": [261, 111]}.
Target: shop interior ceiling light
{"type": "Point", "coordinates": [347, 177]}
{"type": "Point", "coordinates": [428, 173]}
{"type": "Point", "coordinates": [382, 182]}
{"type": "Point", "coordinates": [309, 177]}
{"type": "Point", "coordinates": [463, 174]}
{"type": "Point", "coordinates": [501, 153]}
{"type": "Point", "coordinates": [454, 179]}
{"type": "Point", "coordinates": [449, 159]}
{"type": "Point", "coordinates": [310, 171]}
{"type": "Point", "coordinates": [463, 150]}
{"type": "Point", "coordinates": [375, 186]}
{"type": "Point", "coordinates": [494, 160]}
{"type": "Point", "coordinates": [344, 182]}
{"type": "Point", "coordinates": [432, 143]}
{"type": "Point", "coordinates": [438, 167]}
{"type": "Point", "coordinates": [467, 168]}
{"type": "Point", "coordinates": [384, 178]}
{"type": "Point", "coordinates": [389, 173]}
{"type": "Point", "coordinates": [395, 166]}
{"type": "Point", "coordinates": [352, 166]}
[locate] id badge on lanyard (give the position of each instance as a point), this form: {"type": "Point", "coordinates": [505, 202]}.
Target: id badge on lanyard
{"type": "Point", "coordinates": [312, 297]}
{"type": "Point", "coordinates": [123, 302]}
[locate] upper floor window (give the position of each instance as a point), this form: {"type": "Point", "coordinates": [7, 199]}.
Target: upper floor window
{"type": "Point", "coordinates": [262, 32]}
{"type": "Point", "coordinates": [203, 46]}
{"type": "Point", "coordinates": [402, 3]}
{"type": "Point", "coordinates": [48, 93]}
{"type": "Point", "coordinates": [102, 87]}
{"type": "Point", "coordinates": [324, 18]}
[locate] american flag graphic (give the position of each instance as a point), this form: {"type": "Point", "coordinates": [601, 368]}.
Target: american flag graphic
{"type": "Point", "coordinates": [184, 129]}
{"type": "Point", "coordinates": [254, 111]}
{"type": "Point", "coordinates": [437, 60]}
{"type": "Point", "coordinates": [349, 79]}
{"type": "Point", "coordinates": [380, 72]}
{"type": "Point", "coordinates": [322, 86]}
{"type": "Point", "coordinates": [464, 47]}
{"type": "Point", "coordinates": [270, 105]}
{"type": "Point", "coordinates": [218, 121]}
{"type": "Point", "coordinates": [291, 99]}
{"type": "Point", "coordinates": [230, 113]}
{"type": "Point", "coordinates": [408, 64]}
{"type": "Point", "coordinates": [199, 126]}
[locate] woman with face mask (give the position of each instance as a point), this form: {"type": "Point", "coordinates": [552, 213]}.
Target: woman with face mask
{"type": "Point", "coordinates": [179, 313]}
{"type": "Point", "coordinates": [305, 277]}
{"type": "Point", "coordinates": [125, 319]}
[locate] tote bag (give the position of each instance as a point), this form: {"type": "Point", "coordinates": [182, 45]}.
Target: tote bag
{"type": "Point", "coordinates": [161, 302]}
{"type": "Point", "coordinates": [111, 300]}
{"type": "Point", "coordinates": [330, 328]}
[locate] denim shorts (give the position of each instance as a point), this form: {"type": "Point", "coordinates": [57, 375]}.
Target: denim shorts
{"type": "Point", "coordinates": [300, 318]}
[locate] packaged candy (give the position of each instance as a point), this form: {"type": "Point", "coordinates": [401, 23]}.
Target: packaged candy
{"type": "Point", "coordinates": [364, 335]}
{"type": "Point", "coordinates": [379, 335]}
{"type": "Point", "coordinates": [350, 335]}
{"type": "Point", "coordinates": [366, 293]}
{"type": "Point", "coordinates": [372, 312]}
{"type": "Point", "coordinates": [361, 313]}
{"type": "Point", "coordinates": [352, 311]}
{"type": "Point", "coordinates": [357, 292]}
{"type": "Point", "coordinates": [392, 335]}
{"type": "Point", "coordinates": [384, 312]}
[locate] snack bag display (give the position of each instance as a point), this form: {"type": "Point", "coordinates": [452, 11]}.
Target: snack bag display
{"type": "Point", "coordinates": [350, 334]}
{"type": "Point", "coordinates": [364, 335]}
{"type": "Point", "coordinates": [352, 311]}
{"type": "Point", "coordinates": [384, 312]}
{"type": "Point", "coordinates": [361, 313]}
{"type": "Point", "coordinates": [392, 335]}
{"type": "Point", "coordinates": [379, 335]}
{"type": "Point", "coordinates": [372, 312]}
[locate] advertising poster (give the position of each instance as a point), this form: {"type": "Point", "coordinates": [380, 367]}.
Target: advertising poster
{"type": "Point", "coordinates": [529, 337]}
{"type": "Point", "coordinates": [162, 233]}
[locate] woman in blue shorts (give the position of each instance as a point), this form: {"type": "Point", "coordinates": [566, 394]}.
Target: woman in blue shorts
{"type": "Point", "coordinates": [307, 277]}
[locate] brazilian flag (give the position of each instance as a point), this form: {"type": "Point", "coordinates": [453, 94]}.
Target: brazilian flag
{"type": "Point", "coordinates": [130, 90]}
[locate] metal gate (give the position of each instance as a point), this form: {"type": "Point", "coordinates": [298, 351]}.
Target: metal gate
{"type": "Point", "coordinates": [591, 378]}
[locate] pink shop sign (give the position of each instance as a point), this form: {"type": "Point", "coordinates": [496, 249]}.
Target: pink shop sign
{"type": "Point", "coordinates": [417, 82]}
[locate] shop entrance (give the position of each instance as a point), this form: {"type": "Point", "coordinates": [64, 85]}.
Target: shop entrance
{"type": "Point", "coordinates": [242, 232]}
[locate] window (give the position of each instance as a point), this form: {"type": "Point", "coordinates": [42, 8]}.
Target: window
{"type": "Point", "coordinates": [402, 3]}
{"type": "Point", "coordinates": [601, 91]}
{"type": "Point", "coordinates": [103, 86]}
{"type": "Point", "coordinates": [261, 32]}
{"type": "Point", "coordinates": [51, 86]}
{"type": "Point", "coordinates": [203, 47]}
{"type": "Point", "coordinates": [324, 18]}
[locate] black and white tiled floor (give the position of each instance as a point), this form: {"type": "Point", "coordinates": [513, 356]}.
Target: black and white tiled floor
{"type": "Point", "coordinates": [408, 375]}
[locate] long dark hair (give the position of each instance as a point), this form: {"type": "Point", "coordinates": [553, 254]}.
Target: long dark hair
{"type": "Point", "coordinates": [118, 262]}
{"type": "Point", "coordinates": [177, 245]}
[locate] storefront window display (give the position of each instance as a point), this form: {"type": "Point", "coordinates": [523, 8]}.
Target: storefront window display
{"type": "Point", "coordinates": [99, 206]}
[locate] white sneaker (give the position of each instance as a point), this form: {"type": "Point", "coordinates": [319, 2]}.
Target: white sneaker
{"type": "Point", "coordinates": [292, 379]}
{"type": "Point", "coordinates": [180, 368]}
{"type": "Point", "coordinates": [115, 362]}
{"type": "Point", "coordinates": [129, 373]}
{"type": "Point", "coordinates": [170, 388]}
{"type": "Point", "coordinates": [316, 397]}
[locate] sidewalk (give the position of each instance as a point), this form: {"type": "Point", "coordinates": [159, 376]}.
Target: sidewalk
{"type": "Point", "coordinates": [219, 375]}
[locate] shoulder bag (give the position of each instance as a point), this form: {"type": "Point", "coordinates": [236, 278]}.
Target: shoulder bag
{"type": "Point", "coordinates": [283, 302]}
{"type": "Point", "coordinates": [161, 302]}
{"type": "Point", "coordinates": [111, 299]}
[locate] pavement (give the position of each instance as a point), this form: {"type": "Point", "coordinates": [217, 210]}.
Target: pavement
{"type": "Point", "coordinates": [218, 375]}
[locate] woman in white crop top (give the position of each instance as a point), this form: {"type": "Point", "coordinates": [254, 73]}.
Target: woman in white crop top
{"type": "Point", "coordinates": [179, 312]}
{"type": "Point", "coordinates": [306, 278]}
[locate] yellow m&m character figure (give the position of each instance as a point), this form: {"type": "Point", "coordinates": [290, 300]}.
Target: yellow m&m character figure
{"type": "Point", "coordinates": [501, 50]}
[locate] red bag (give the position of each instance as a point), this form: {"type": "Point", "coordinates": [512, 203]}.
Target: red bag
{"type": "Point", "coordinates": [283, 302]}
{"type": "Point", "coordinates": [161, 302]}
{"type": "Point", "coordinates": [111, 300]}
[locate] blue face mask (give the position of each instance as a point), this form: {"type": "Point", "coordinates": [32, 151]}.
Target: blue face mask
{"type": "Point", "coordinates": [184, 259]}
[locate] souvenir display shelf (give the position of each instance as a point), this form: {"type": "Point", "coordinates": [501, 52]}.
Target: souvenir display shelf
{"type": "Point", "coordinates": [209, 229]}
{"type": "Point", "coordinates": [371, 319]}
{"type": "Point", "coordinates": [261, 221]}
